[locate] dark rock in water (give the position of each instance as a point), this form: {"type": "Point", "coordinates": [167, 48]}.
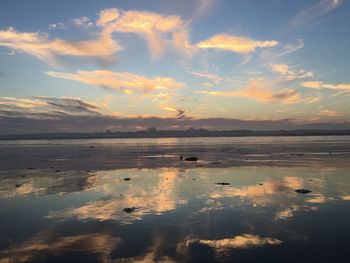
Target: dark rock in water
{"type": "Point", "coordinates": [57, 171]}
{"type": "Point", "coordinates": [223, 183]}
{"type": "Point", "coordinates": [129, 209]}
{"type": "Point", "coordinates": [88, 171]}
{"type": "Point", "coordinates": [23, 176]}
{"type": "Point", "coordinates": [17, 185]}
{"type": "Point", "coordinates": [303, 191]}
{"type": "Point", "coordinates": [260, 184]}
{"type": "Point", "coordinates": [297, 154]}
{"type": "Point", "coordinates": [215, 163]}
{"type": "Point", "coordinates": [181, 158]}
{"type": "Point", "coordinates": [127, 179]}
{"type": "Point", "coordinates": [31, 168]}
{"type": "Point", "coordinates": [91, 147]}
{"type": "Point", "coordinates": [193, 179]}
{"type": "Point", "coordinates": [192, 159]}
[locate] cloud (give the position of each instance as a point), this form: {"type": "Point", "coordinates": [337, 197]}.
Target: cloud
{"type": "Point", "coordinates": [59, 25]}
{"type": "Point", "coordinates": [322, 85]}
{"type": "Point", "coordinates": [47, 107]}
{"type": "Point", "coordinates": [161, 196]}
{"type": "Point", "coordinates": [330, 113]}
{"type": "Point", "coordinates": [123, 81]}
{"type": "Point", "coordinates": [289, 74]}
{"type": "Point", "coordinates": [106, 16]}
{"type": "Point", "coordinates": [233, 43]}
{"type": "Point", "coordinates": [263, 92]}
{"type": "Point", "coordinates": [241, 242]}
{"type": "Point", "coordinates": [211, 76]}
{"type": "Point", "coordinates": [52, 118]}
{"type": "Point", "coordinates": [100, 245]}
{"type": "Point", "coordinates": [21, 102]}
{"type": "Point", "coordinates": [45, 49]}
{"type": "Point", "coordinates": [311, 15]}
{"type": "Point", "coordinates": [203, 7]}
{"type": "Point", "coordinates": [153, 27]}
{"type": "Point", "coordinates": [270, 56]}
{"type": "Point", "coordinates": [83, 21]}
{"type": "Point", "coordinates": [179, 112]}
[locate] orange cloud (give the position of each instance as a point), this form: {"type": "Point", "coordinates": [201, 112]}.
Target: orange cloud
{"type": "Point", "coordinates": [107, 15]}
{"type": "Point", "coordinates": [153, 27]}
{"type": "Point", "coordinates": [100, 245]}
{"type": "Point", "coordinates": [322, 85]}
{"type": "Point", "coordinates": [124, 81]}
{"type": "Point", "coordinates": [263, 92]}
{"type": "Point", "coordinates": [22, 102]}
{"type": "Point", "coordinates": [240, 242]}
{"type": "Point", "coordinates": [289, 74]}
{"type": "Point", "coordinates": [236, 44]}
{"type": "Point", "coordinates": [45, 49]}
{"type": "Point", "coordinates": [330, 113]}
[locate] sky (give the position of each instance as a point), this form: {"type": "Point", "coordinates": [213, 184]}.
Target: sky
{"type": "Point", "coordinates": [126, 65]}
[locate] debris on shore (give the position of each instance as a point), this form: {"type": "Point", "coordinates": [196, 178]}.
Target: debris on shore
{"type": "Point", "coordinates": [191, 159]}
{"type": "Point", "coordinates": [223, 183]}
{"type": "Point", "coordinates": [303, 191]}
{"type": "Point", "coordinates": [129, 209]}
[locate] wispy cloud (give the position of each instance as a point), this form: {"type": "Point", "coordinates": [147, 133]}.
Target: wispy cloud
{"type": "Point", "coordinates": [289, 74]}
{"type": "Point", "coordinates": [323, 85]}
{"type": "Point", "coordinates": [47, 107]}
{"type": "Point", "coordinates": [179, 113]}
{"type": "Point", "coordinates": [123, 81]}
{"type": "Point", "coordinates": [83, 22]}
{"type": "Point", "coordinates": [312, 14]}
{"type": "Point", "coordinates": [211, 76]}
{"type": "Point", "coordinates": [262, 91]}
{"type": "Point", "coordinates": [41, 115]}
{"type": "Point", "coordinates": [330, 113]}
{"type": "Point", "coordinates": [233, 43]}
{"type": "Point", "coordinates": [54, 26]}
{"type": "Point", "coordinates": [153, 27]}
{"type": "Point", "coordinates": [204, 7]}
{"type": "Point", "coordinates": [45, 49]}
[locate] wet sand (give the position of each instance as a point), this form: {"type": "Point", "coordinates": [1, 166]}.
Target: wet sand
{"type": "Point", "coordinates": [103, 154]}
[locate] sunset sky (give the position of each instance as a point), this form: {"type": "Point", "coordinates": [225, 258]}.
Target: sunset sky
{"type": "Point", "coordinates": [173, 64]}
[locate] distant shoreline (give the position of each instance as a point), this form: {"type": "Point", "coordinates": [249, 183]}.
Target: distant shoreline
{"type": "Point", "coordinates": [190, 133]}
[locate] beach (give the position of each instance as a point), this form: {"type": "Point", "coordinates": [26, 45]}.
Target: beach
{"type": "Point", "coordinates": [247, 199]}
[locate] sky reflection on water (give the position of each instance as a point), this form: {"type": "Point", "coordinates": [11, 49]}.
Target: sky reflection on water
{"type": "Point", "coordinates": [179, 214]}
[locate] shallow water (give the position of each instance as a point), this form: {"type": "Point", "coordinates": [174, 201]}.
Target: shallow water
{"type": "Point", "coordinates": [100, 154]}
{"type": "Point", "coordinates": [178, 214]}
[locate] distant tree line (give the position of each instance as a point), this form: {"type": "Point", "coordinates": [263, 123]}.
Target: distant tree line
{"type": "Point", "coordinates": [154, 133]}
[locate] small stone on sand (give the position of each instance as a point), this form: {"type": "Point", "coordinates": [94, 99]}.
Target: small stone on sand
{"type": "Point", "coordinates": [223, 183]}
{"type": "Point", "coordinates": [129, 209]}
{"type": "Point", "coordinates": [192, 159]}
{"type": "Point", "coordinates": [127, 179]}
{"type": "Point", "coordinates": [303, 191]}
